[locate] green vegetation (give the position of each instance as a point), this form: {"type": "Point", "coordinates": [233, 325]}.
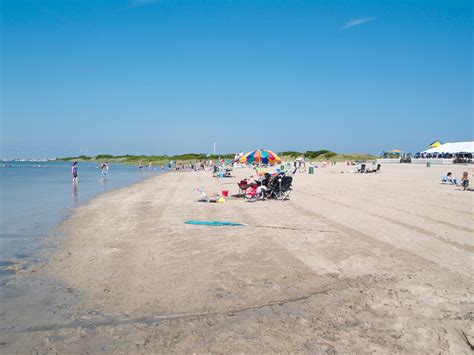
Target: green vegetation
{"type": "Point", "coordinates": [353, 156]}
{"type": "Point", "coordinates": [319, 155]}
{"type": "Point", "coordinates": [325, 155]}
{"type": "Point", "coordinates": [103, 156]}
{"type": "Point", "coordinates": [145, 159]}
{"type": "Point", "coordinates": [290, 153]}
{"type": "Point", "coordinates": [309, 154]}
{"type": "Point", "coordinates": [79, 158]}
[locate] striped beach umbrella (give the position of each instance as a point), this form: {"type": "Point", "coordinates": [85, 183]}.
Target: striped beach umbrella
{"type": "Point", "coordinates": [262, 156]}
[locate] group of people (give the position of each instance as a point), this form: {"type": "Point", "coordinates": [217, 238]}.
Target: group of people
{"type": "Point", "coordinates": [463, 182]}
{"type": "Point", "coordinates": [221, 171]}
{"type": "Point", "coordinates": [195, 166]}
{"type": "Point", "coordinates": [276, 185]}
{"type": "Point", "coordinates": [141, 166]}
{"type": "Point", "coordinates": [104, 168]}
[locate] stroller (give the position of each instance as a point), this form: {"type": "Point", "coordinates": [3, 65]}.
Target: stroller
{"type": "Point", "coordinates": [280, 187]}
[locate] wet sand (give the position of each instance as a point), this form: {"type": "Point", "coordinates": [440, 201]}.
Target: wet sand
{"type": "Point", "coordinates": [351, 263]}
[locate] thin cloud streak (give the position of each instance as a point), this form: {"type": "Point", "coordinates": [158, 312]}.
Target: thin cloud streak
{"type": "Point", "coordinates": [356, 22]}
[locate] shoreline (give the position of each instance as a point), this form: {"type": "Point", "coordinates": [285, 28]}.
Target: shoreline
{"type": "Point", "coordinates": [323, 264]}
{"type": "Point", "coordinates": [54, 234]}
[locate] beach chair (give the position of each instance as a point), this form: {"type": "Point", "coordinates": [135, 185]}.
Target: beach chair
{"type": "Point", "coordinates": [284, 188]}
{"type": "Point", "coordinates": [251, 193]}
{"type": "Point", "coordinates": [244, 185]}
{"type": "Point", "coordinates": [206, 198]}
{"type": "Point", "coordinates": [280, 187]}
{"type": "Point", "coordinates": [368, 170]}
{"type": "Point", "coordinates": [362, 169]}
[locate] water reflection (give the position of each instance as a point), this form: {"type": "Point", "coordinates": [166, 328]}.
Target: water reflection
{"type": "Point", "coordinates": [103, 182]}
{"type": "Point", "coordinates": [75, 194]}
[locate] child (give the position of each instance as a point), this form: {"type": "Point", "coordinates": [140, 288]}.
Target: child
{"type": "Point", "coordinates": [465, 180]}
{"type": "Point", "coordinates": [74, 172]}
{"type": "Point", "coordinates": [448, 179]}
{"type": "Point", "coordinates": [105, 170]}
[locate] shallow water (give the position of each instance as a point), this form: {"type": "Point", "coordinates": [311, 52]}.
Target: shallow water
{"type": "Point", "coordinates": [36, 196]}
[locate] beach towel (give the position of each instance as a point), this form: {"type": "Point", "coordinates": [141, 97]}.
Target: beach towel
{"type": "Point", "coordinates": [214, 223]}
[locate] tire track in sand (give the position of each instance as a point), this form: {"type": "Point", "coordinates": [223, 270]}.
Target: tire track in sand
{"type": "Point", "coordinates": [468, 248]}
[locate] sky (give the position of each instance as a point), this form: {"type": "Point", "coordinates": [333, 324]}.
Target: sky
{"type": "Point", "coordinates": [174, 76]}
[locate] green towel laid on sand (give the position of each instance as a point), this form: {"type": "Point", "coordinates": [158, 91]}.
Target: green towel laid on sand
{"type": "Point", "coordinates": [214, 223]}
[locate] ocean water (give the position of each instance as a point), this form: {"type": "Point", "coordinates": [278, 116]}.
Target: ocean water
{"type": "Point", "coordinates": [35, 197]}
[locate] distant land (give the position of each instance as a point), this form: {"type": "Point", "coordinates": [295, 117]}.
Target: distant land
{"type": "Point", "coordinates": [320, 155]}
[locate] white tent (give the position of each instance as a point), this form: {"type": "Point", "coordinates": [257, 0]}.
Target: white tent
{"type": "Point", "coordinates": [452, 148]}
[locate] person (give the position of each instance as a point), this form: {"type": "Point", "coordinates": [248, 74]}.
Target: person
{"type": "Point", "coordinates": [448, 178]}
{"type": "Point", "coordinates": [266, 180]}
{"type": "Point", "coordinates": [465, 180]}
{"type": "Point", "coordinates": [74, 172]}
{"type": "Point", "coordinates": [261, 190]}
{"type": "Point", "coordinates": [105, 170]}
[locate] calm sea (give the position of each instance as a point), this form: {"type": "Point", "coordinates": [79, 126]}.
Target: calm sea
{"type": "Point", "coordinates": [35, 197]}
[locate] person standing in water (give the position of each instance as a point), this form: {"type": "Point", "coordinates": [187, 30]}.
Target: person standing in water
{"type": "Point", "coordinates": [105, 170]}
{"type": "Point", "coordinates": [74, 172]}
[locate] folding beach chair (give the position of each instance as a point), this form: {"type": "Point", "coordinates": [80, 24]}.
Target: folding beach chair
{"type": "Point", "coordinates": [205, 197]}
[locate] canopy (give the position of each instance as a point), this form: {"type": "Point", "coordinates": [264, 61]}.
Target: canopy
{"type": "Point", "coordinates": [395, 151]}
{"type": "Point", "coordinates": [264, 156]}
{"type": "Point", "coordinates": [452, 148]}
{"type": "Point", "coordinates": [435, 144]}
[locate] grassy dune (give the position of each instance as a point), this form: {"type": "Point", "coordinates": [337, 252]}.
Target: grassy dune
{"type": "Point", "coordinates": [319, 156]}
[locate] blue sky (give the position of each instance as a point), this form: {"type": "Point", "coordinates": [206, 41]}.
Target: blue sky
{"type": "Point", "coordinates": [171, 76]}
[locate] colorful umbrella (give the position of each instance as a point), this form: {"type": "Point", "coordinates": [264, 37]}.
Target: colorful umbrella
{"type": "Point", "coordinates": [263, 156]}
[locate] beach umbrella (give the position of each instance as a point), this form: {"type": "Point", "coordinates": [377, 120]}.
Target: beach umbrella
{"type": "Point", "coordinates": [262, 156]}
{"type": "Point", "coordinates": [395, 151]}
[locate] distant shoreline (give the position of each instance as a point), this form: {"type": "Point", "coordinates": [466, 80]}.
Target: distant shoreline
{"type": "Point", "coordinates": [322, 155]}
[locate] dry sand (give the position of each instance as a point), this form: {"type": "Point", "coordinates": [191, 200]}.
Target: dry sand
{"type": "Point", "coordinates": [351, 263]}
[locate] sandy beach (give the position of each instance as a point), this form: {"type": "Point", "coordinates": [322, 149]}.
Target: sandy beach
{"type": "Point", "coordinates": [351, 263]}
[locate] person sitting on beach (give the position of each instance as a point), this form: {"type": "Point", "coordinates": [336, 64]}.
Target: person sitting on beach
{"type": "Point", "coordinates": [261, 190]}
{"type": "Point", "coordinates": [266, 180]}
{"type": "Point", "coordinates": [448, 179]}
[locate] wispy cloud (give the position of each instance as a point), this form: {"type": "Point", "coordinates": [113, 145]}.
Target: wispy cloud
{"type": "Point", "coordinates": [138, 3]}
{"type": "Point", "coordinates": [356, 22]}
